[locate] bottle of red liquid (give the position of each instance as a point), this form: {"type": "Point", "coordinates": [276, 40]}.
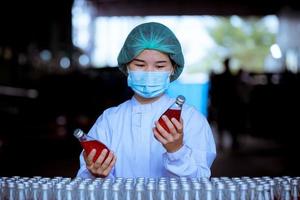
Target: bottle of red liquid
{"type": "Point", "coordinates": [174, 111]}
{"type": "Point", "coordinates": [88, 144]}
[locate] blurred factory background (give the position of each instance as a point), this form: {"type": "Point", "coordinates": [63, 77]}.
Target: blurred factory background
{"type": "Point", "coordinates": [58, 72]}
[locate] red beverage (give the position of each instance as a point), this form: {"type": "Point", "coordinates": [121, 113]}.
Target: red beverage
{"type": "Point", "coordinates": [174, 111]}
{"type": "Point", "coordinates": [170, 113]}
{"type": "Point", "coordinates": [88, 146]}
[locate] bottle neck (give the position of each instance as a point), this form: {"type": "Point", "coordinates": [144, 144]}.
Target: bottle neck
{"type": "Point", "coordinates": [176, 106]}
{"type": "Point", "coordinates": [84, 138]}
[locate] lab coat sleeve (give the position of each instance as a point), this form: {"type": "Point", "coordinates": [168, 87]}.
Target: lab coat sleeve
{"type": "Point", "coordinates": [100, 131]}
{"type": "Point", "coordinates": [196, 156]}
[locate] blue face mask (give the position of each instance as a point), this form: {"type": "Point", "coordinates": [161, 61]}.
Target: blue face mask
{"type": "Point", "coordinates": [148, 84]}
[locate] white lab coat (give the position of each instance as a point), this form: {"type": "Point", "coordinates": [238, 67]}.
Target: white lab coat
{"type": "Point", "coordinates": [127, 131]}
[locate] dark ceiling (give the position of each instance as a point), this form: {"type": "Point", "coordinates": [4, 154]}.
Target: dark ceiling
{"type": "Point", "coordinates": [192, 7]}
{"type": "Point", "coordinates": [49, 21]}
{"type": "Point", "coordinates": [24, 22]}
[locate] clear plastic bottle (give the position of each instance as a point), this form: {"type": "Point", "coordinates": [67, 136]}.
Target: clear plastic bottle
{"type": "Point", "coordinates": [295, 186]}
{"type": "Point", "coordinates": [208, 191]}
{"type": "Point", "coordinates": [11, 192]}
{"type": "Point", "coordinates": [286, 192]}
{"type": "Point", "coordinates": [186, 191]}
{"type": "Point", "coordinates": [272, 189]}
{"type": "Point", "coordinates": [220, 191]}
{"type": "Point", "coordinates": [174, 191]}
{"type": "Point", "coordinates": [129, 192]}
{"type": "Point", "coordinates": [2, 188]}
{"type": "Point", "coordinates": [20, 192]}
{"type": "Point", "coordinates": [174, 111]}
{"type": "Point", "coordinates": [162, 192]}
{"type": "Point", "coordinates": [243, 194]}
{"type": "Point", "coordinates": [139, 192]}
{"type": "Point", "coordinates": [27, 186]}
{"type": "Point", "coordinates": [150, 191]}
{"type": "Point", "coordinates": [278, 188]}
{"type": "Point", "coordinates": [105, 191]}
{"type": "Point", "coordinates": [59, 191]}
{"type": "Point", "coordinates": [259, 192]}
{"type": "Point", "coordinates": [35, 191]}
{"type": "Point", "coordinates": [232, 192]}
{"type": "Point", "coordinates": [116, 191]}
{"type": "Point", "coordinates": [92, 193]}
{"type": "Point", "coordinates": [267, 194]}
{"type": "Point", "coordinates": [88, 144]}
{"type": "Point", "coordinates": [45, 192]}
{"type": "Point", "coordinates": [252, 190]}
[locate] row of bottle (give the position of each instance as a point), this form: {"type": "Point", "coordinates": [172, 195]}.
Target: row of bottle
{"type": "Point", "coordinates": [163, 188]}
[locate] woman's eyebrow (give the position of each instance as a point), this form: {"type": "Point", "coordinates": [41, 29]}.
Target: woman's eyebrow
{"type": "Point", "coordinates": [161, 61]}
{"type": "Point", "coordinates": [139, 60]}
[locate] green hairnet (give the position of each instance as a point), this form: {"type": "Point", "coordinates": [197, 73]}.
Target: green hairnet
{"type": "Point", "coordinates": [153, 36]}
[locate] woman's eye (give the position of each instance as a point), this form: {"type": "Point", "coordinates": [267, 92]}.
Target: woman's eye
{"type": "Point", "coordinates": [160, 66]}
{"type": "Point", "coordinates": [139, 65]}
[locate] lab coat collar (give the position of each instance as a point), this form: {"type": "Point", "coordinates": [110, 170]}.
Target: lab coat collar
{"type": "Point", "coordinates": [138, 107]}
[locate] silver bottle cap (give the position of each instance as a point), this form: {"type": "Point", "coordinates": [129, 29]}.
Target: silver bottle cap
{"type": "Point", "coordinates": [180, 99]}
{"type": "Point", "coordinates": [78, 133]}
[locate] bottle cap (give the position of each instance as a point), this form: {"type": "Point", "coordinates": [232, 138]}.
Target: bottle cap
{"type": "Point", "coordinates": [180, 99]}
{"type": "Point", "coordinates": [78, 133]}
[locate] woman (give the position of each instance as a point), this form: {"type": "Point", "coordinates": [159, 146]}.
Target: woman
{"type": "Point", "coordinates": [151, 57]}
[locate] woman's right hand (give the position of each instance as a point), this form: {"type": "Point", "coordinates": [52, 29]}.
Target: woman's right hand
{"type": "Point", "coordinates": [101, 167]}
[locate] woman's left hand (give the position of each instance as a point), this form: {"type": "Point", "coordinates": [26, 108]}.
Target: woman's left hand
{"type": "Point", "coordinates": [173, 140]}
